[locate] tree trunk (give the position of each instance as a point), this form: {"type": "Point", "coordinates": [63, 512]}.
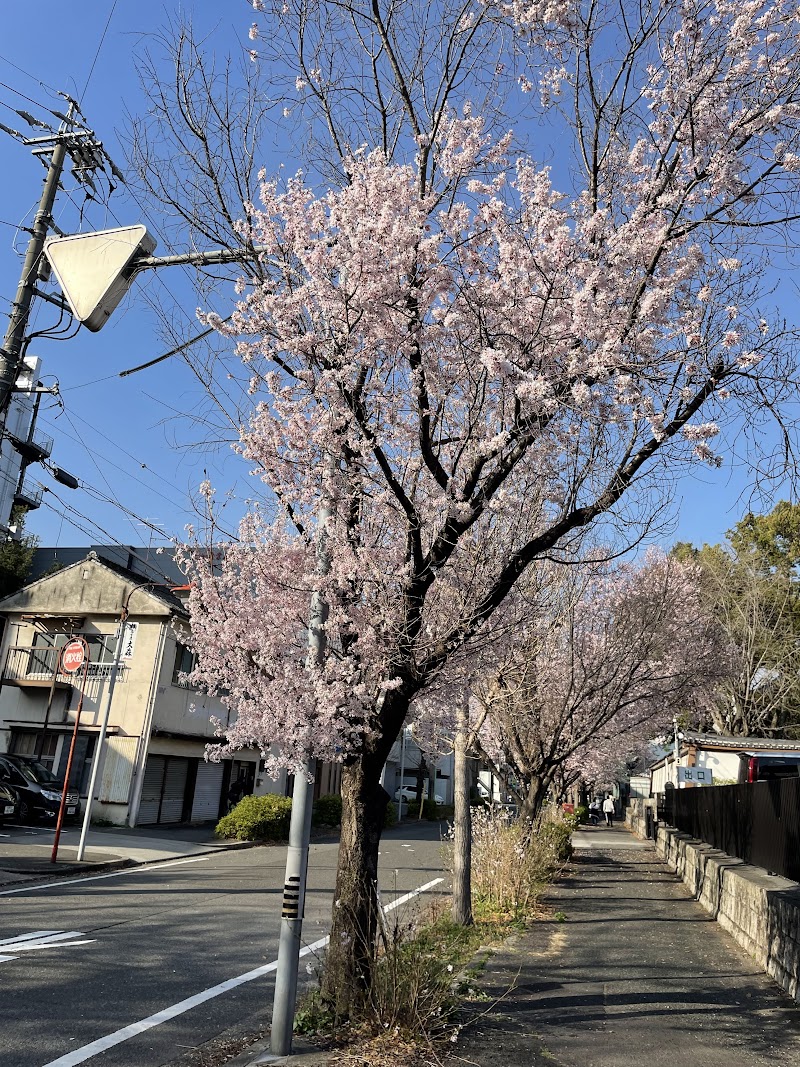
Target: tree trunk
{"type": "Point", "coordinates": [462, 841]}
{"type": "Point", "coordinates": [353, 929]}
{"type": "Point", "coordinates": [536, 796]}
{"type": "Point", "coordinates": [422, 772]}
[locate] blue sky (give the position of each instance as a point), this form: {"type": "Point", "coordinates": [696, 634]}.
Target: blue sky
{"type": "Point", "coordinates": [124, 438]}
{"type": "Point", "coordinates": [118, 436]}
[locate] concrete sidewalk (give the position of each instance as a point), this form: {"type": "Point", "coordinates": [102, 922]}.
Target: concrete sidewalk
{"type": "Point", "coordinates": [629, 970]}
{"type": "Point", "coordinates": [25, 851]}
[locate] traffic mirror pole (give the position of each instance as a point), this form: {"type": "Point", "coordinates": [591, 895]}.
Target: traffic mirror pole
{"type": "Point", "coordinates": [62, 806]}
{"type": "Point", "coordinates": [98, 751]}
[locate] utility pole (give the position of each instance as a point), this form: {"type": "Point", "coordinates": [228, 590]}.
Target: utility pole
{"type": "Point", "coordinates": [11, 352]}
{"type": "Point", "coordinates": [87, 155]}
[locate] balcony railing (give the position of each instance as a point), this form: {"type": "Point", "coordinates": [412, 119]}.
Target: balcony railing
{"type": "Point", "coordinates": [33, 665]}
{"type": "Point", "coordinates": [28, 496]}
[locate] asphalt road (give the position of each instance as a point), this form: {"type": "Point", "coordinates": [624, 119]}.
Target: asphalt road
{"type": "Point", "coordinates": [112, 951]}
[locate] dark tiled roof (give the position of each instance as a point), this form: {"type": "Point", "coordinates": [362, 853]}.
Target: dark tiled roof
{"type": "Point", "coordinates": [739, 744]}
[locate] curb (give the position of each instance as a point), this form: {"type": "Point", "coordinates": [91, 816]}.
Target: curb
{"type": "Point", "coordinates": [68, 871]}
{"type": "Point", "coordinates": [73, 869]}
{"type": "Point", "coordinates": [259, 1055]}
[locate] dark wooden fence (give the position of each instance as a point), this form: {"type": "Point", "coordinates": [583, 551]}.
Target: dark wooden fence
{"type": "Point", "coordinates": [758, 823]}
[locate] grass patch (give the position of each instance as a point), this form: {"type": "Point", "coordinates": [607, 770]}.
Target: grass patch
{"type": "Point", "coordinates": [426, 967]}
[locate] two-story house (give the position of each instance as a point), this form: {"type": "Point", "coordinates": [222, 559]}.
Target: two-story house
{"type": "Point", "coordinates": [153, 766]}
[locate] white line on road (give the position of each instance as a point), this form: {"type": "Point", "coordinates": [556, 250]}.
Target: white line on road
{"type": "Point", "coordinates": [35, 935]}
{"type": "Point", "coordinates": [157, 866]}
{"type": "Point", "coordinates": [40, 939]}
{"type": "Point", "coordinates": [81, 1055]}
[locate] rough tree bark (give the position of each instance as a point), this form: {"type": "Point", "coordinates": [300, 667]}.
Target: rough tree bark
{"type": "Point", "coordinates": [349, 965]}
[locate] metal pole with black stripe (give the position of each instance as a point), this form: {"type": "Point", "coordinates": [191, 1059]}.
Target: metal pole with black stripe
{"type": "Point", "coordinates": [294, 887]}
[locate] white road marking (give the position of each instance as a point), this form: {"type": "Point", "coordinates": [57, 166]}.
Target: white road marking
{"type": "Point", "coordinates": [36, 935]}
{"type": "Point", "coordinates": [81, 1055]}
{"type": "Point", "coordinates": [56, 944]}
{"type": "Point", "coordinates": [158, 865]}
{"type": "Point", "coordinates": [40, 939]}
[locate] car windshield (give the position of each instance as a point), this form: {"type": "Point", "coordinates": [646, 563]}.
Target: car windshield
{"type": "Point", "coordinates": [37, 773]}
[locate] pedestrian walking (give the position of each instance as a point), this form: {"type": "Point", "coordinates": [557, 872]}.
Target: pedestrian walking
{"type": "Point", "coordinates": [608, 810]}
{"type": "Point", "coordinates": [236, 792]}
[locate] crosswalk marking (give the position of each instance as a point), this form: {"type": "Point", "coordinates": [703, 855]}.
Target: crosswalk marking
{"type": "Point", "coordinates": [35, 936]}
{"type": "Point", "coordinates": [40, 939]}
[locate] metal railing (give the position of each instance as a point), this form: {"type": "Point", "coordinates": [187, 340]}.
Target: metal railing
{"type": "Point", "coordinates": [758, 822]}
{"type": "Point", "coordinates": [36, 663]}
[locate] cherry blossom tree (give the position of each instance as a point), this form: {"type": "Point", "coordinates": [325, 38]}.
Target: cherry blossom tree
{"type": "Point", "coordinates": [473, 356]}
{"type": "Point", "coordinates": [598, 670]}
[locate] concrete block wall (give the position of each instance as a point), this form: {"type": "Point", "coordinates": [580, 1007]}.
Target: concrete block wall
{"type": "Point", "coordinates": [636, 815]}
{"type": "Point", "coordinates": [761, 911]}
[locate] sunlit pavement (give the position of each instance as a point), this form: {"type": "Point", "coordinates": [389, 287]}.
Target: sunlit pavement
{"type": "Point", "coordinates": [599, 837]}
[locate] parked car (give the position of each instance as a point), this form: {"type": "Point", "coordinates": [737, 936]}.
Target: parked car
{"type": "Point", "coordinates": [38, 788]}
{"type": "Point", "coordinates": [765, 767]}
{"type": "Point", "coordinates": [409, 793]}
{"type": "Point", "coordinates": [9, 802]}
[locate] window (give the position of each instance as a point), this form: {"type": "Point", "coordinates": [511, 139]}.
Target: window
{"type": "Point", "coordinates": [185, 661]}
{"type": "Point", "coordinates": [24, 744]}
{"type": "Point", "coordinates": [102, 650]}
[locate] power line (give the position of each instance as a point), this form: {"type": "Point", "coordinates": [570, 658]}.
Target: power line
{"type": "Point", "coordinates": [27, 74]}
{"type": "Point", "coordinates": [67, 516]}
{"type": "Point", "coordinates": [99, 47]}
{"type": "Point", "coordinates": [93, 381]}
{"type": "Point", "coordinates": [91, 456]}
{"type": "Point", "coordinates": [30, 100]}
{"type": "Point", "coordinates": [79, 441]}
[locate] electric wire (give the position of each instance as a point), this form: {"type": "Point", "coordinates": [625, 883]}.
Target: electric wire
{"type": "Point", "coordinates": [73, 518]}
{"type": "Point", "coordinates": [155, 305]}
{"type": "Point", "coordinates": [18, 92]}
{"type": "Point", "coordinates": [93, 381]}
{"type": "Point", "coordinates": [93, 460]}
{"type": "Point", "coordinates": [99, 48]}
{"type": "Point", "coordinates": [70, 510]}
{"type": "Point", "coordinates": [52, 424]}
{"type": "Point", "coordinates": [53, 331]}
{"type": "Point", "coordinates": [32, 77]}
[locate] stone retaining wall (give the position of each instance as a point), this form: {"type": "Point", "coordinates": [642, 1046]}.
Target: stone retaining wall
{"type": "Point", "coordinates": [760, 910]}
{"type": "Point", "coordinates": [636, 815]}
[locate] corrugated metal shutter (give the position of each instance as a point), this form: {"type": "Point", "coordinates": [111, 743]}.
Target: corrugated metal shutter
{"type": "Point", "coordinates": [151, 790]}
{"type": "Point", "coordinates": [118, 768]}
{"type": "Point", "coordinates": [208, 787]}
{"type": "Point", "coordinates": [174, 790]}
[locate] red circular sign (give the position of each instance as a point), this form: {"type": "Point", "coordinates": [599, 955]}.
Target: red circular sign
{"type": "Point", "coordinates": [72, 657]}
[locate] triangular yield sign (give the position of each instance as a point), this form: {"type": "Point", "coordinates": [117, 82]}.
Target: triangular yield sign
{"type": "Point", "coordinates": [90, 268]}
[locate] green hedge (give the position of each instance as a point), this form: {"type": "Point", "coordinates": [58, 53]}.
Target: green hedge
{"type": "Point", "coordinates": [258, 819]}
{"type": "Point", "coordinates": [430, 810]}
{"type": "Point", "coordinates": [328, 810]}
{"type": "Point", "coordinates": [267, 818]}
